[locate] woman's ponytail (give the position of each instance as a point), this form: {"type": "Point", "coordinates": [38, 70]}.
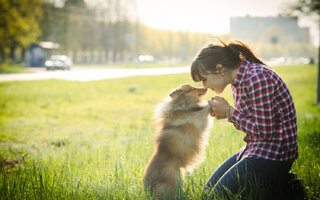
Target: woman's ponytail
{"type": "Point", "coordinates": [243, 50]}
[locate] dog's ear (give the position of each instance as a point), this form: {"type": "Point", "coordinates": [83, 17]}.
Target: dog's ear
{"type": "Point", "coordinates": [175, 93]}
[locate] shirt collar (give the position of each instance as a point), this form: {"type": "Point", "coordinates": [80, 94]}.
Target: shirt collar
{"type": "Point", "coordinates": [243, 67]}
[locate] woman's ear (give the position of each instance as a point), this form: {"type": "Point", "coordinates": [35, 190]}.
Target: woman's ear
{"type": "Point", "coordinates": [220, 69]}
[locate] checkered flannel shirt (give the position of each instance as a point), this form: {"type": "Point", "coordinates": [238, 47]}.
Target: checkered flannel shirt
{"type": "Point", "coordinates": [265, 112]}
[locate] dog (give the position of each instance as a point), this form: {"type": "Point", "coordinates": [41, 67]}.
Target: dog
{"type": "Point", "coordinates": [183, 124]}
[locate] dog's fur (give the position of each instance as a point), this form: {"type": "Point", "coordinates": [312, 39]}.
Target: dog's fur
{"type": "Point", "coordinates": [183, 122]}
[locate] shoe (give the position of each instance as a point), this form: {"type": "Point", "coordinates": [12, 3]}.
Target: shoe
{"type": "Point", "coordinates": [297, 189]}
{"type": "Point", "coordinates": [294, 188]}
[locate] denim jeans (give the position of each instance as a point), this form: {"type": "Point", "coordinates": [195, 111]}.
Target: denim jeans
{"type": "Point", "coordinates": [234, 176]}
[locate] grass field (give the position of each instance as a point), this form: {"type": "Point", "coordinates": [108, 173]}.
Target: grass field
{"type": "Point", "coordinates": [7, 69]}
{"type": "Point", "coordinates": [92, 140]}
{"type": "Point", "coordinates": [133, 65]}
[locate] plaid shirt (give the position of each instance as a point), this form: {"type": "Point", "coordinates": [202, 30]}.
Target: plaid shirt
{"type": "Point", "coordinates": [265, 112]}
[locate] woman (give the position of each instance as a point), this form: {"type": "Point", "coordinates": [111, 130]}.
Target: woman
{"type": "Point", "coordinates": [263, 109]}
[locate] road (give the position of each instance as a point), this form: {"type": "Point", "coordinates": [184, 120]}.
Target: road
{"type": "Point", "coordinates": [86, 74]}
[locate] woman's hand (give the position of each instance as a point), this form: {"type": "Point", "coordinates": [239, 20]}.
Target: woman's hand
{"type": "Point", "coordinates": [219, 107]}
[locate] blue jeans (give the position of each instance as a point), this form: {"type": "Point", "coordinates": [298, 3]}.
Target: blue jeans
{"type": "Point", "coordinates": [234, 176]}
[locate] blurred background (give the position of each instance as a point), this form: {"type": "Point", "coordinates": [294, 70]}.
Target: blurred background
{"type": "Point", "coordinates": [108, 32]}
{"type": "Point", "coordinates": [91, 138]}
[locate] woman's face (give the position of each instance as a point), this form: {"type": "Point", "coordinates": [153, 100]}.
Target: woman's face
{"type": "Point", "coordinates": [215, 82]}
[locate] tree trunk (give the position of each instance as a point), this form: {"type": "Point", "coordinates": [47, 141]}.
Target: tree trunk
{"type": "Point", "coordinates": [75, 57]}
{"type": "Point", "coordinates": [2, 56]}
{"type": "Point", "coordinates": [100, 57]}
{"type": "Point", "coordinates": [121, 56]}
{"type": "Point", "coordinates": [84, 57]}
{"type": "Point", "coordinates": [23, 54]}
{"type": "Point", "coordinates": [318, 85]}
{"type": "Point", "coordinates": [12, 54]}
{"type": "Point", "coordinates": [114, 56]}
{"type": "Point", "coordinates": [92, 57]}
{"type": "Point", "coordinates": [106, 55]}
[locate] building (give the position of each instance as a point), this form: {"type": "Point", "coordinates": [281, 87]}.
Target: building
{"type": "Point", "coordinates": [273, 30]}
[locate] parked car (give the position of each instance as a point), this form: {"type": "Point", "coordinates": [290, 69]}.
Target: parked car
{"type": "Point", "coordinates": [58, 62]}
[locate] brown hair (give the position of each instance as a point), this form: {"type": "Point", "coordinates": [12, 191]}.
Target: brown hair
{"type": "Point", "coordinates": [230, 56]}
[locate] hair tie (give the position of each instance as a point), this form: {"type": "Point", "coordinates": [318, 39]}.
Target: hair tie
{"type": "Point", "coordinates": [232, 50]}
{"type": "Point", "coordinates": [234, 53]}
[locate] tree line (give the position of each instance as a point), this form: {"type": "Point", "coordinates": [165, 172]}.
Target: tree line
{"type": "Point", "coordinates": [105, 31]}
{"type": "Point", "coordinates": [108, 31]}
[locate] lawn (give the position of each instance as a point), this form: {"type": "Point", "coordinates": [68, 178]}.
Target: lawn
{"type": "Point", "coordinates": [92, 140]}
{"type": "Point", "coordinates": [7, 69]}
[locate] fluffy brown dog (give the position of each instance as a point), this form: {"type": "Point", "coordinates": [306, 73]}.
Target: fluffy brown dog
{"type": "Point", "coordinates": [183, 122]}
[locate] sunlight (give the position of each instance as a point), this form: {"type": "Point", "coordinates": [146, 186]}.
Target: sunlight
{"type": "Point", "coordinates": [207, 16]}
{"type": "Point", "coordinates": [183, 16]}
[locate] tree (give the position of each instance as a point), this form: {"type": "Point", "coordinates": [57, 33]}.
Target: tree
{"type": "Point", "coordinates": [19, 24]}
{"type": "Point", "coordinates": [72, 29]}
{"type": "Point", "coordinates": [45, 23]}
{"type": "Point", "coordinates": [309, 7]}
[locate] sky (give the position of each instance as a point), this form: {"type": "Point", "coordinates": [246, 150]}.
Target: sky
{"type": "Point", "coordinates": [209, 16]}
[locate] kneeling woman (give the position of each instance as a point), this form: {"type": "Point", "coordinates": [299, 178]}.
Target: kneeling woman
{"type": "Point", "coordinates": [263, 109]}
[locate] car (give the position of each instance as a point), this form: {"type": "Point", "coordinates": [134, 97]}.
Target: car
{"type": "Point", "coordinates": [58, 62]}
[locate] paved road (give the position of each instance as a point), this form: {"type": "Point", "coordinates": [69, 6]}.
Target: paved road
{"type": "Point", "coordinates": [78, 74]}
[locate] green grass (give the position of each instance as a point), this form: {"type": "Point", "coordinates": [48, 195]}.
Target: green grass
{"type": "Point", "coordinates": [131, 65]}
{"type": "Point", "coordinates": [92, 140]}
{"type": "Point", "coordinates": [7, 69]}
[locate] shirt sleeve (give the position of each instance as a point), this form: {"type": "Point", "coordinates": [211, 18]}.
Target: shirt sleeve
{"type": "Point", "coordinates": [256, 118]}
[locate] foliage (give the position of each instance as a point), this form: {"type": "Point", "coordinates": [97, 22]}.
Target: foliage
{"type": "Point", "coordinates": [92, 140]}
{"type": "Point", "coordinates": [107, 30]}
{"type": "Point", "coordinates": [19, 22]}
{"type": "Point", "coordinates": [115, 36]}
{"type": "Point", "coordinates": [164, 43]}
{"type": "Point", "coordinates": [103, 31]}
{"type": "Point", "coordinates": [306, 6]}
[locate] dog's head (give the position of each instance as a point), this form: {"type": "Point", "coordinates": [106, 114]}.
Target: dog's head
{"type": "Point", "coordinates": [188, 92]}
